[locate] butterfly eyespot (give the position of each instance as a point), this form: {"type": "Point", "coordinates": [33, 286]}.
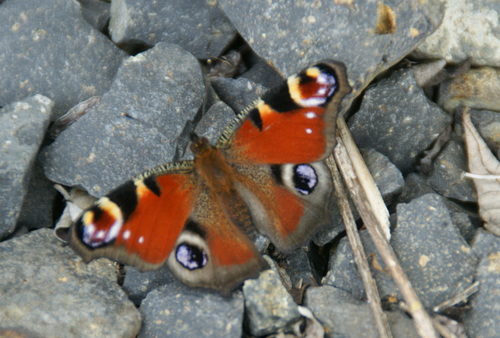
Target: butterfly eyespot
{"type": "Point", "coordinates": [191, 257]}
{"type": "Point", "coordinates": [305, 179]}
{"type": "Point", "coordinates": [98, 227]}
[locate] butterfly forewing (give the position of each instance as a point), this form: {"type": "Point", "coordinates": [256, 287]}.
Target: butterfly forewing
{"type": "Point", "coordinates": [295, 123]}
{"type": "Point", "coordinates": [137, 223]}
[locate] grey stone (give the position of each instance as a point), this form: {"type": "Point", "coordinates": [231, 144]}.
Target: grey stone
{"type": "Point", "coordinates": [398, 120]}
{"type": "Point", "coordinates": [293, 35]}
{"type": "Point", "coordinates": [483, 320]}
{"type": "Point", "coordinates": [51, 50]}
{"type": "Point", "coordinates": [477, 89]}
{"type": "Point", "coordinates": [96, 12]}
{"type": "Point", "coordinates": [37, 210]}
{"type": "Point", "coordinates": [238, 94]}
{"type": "Point", "coordinates": [335, 224]}
{"type": "Point", "coordinates": [158, 91]}
{"type": "Point", "coordinates": [416, 186]}
{"type": "Point", "coordinates": [437, 260]}
{"type": "Point", "coordinates": [180, 311]}
{"type": "Point", "coordinates": [487, 124]}
{"type": "Point", "coordinates": [138, 284]}
{"type": "Point", "coordinates": [215, 121]}
{"type": "Point", "coordinates": [46, 290]}
{"type": "Point", "coordinates": [476, 38]}
{"type": "Point", "coordinates": [299, 267]}
{"type": "Point", "coordinates": [485, 243]}
{"type": "Point", "coordinates": [463, 222]}
{"type": "Point", "coordinates": [344, 316]}
{"type": "Point", "coordinates": [263, 74]}
{"type": "Point", "coordinates": [22, 127]}
{"type": "Point", "coordinates": [425, 73]}
{"type": "Point", "coordinates": [446, 177]}
{"type": "Point", "coordinates": [198, 26]}
{"type": "Point", "coordinates": [268, 306]}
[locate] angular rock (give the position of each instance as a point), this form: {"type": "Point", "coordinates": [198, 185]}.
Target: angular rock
{"type": "Point", "coordinates": [50, 49]}
{"type": "Point", "coordinates": [37, 210]}
{"type": "Point", "coordinates": [293, 35]}
{"type": "Point", "coordinates": [138, 284]}
{"type": "Point", "coordinates": [437, 260]}
{"type": "Point", "coordinates": [179, 311]}
{"type": "Point", "coordinates": [22, 128]}
{"type": "Point", "coordinates": [215, 121]}
{"type": "Point", "coordinates": [198, 26]}
{"type": "Point", "coordinates": [96, 12]}
{"type": "Point", "coordinates": [299, 267]}
{"type": "Point", "coordinates": [446, 177]}
{"type": "Point", "coordinates": [398, 120]}
{"type": "Point", "coordinates": [483, 320]}
{"type": "Point", "coordinates": [264, 74]}
{"type": "Point", "coordinates": [237, 93]}
{"type": "Point", "coordinates": [333, 228]}
{"type": "Point", "coordinates": [268, 306]}
{"type": "Point", "coordinates": [46, 290]}
{"type": "Point", "coordinates": [476, 38]}
{"type": "Point", "coordinates": [477, 89]}
{"type": "Point", "coordinates": [134, 126]}
{"type": "Point", "coordinates": [425, 73]}
{"type": "Point", "coordinates": [344, 316]}
{"type": "Point", "coordinates": [417, 186]}
{"type": "Point", "coordinates": [487, 124]}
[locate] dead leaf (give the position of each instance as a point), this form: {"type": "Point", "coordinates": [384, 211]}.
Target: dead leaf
{"type": "Point", "coordinates": [76, 201]}
{"type": "Point", "coordinates": [72, 116]}
{"type": "Point", "coordinates": [313, 328]}
{"type": "Point", "coordinates": [485, 168]}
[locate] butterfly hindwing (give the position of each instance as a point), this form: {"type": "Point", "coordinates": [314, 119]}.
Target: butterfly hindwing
{"type": "Point", "coordinates": [287, 203]}
{"type": "Point", "coordinates": [212, 251]}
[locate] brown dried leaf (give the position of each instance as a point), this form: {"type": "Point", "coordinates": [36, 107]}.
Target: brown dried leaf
{"type": "Point", "coordinates": [482, 162]}
{"type": "Point", "coordinates": [76, 201]}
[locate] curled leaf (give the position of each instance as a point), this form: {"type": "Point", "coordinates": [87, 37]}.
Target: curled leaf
{"type": "Point", "coordinates": [76, 201]}
{"type": "Point", "coordinates": [482, 162]}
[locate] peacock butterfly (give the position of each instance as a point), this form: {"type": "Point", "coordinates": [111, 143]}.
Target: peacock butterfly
{"type": "Point", "coordinates": [265, 174]}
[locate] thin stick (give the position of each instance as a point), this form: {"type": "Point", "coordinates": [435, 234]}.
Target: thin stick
{"type": "Point", "coordinates": [376, 227]}
{"type": "Point", "coordinates": [373, 200]}
{"type": "Point", "coordinates": [461, 297]}
{"type": "Point", "coordinates": [480, 177]}
{"type": "Point", "coordinates": [359, 253]}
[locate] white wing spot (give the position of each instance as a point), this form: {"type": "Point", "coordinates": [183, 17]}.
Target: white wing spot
{"type": "Point", "coordinates": [309, 131]}
{"type": "Point", "coordinates": [126, 234]}
{"type": "Point", "coordinates": [100, 234]}
{"type": "Point", "coordinates": [310, 115]}
{"type": "Point", "coordinates": [141, 240]}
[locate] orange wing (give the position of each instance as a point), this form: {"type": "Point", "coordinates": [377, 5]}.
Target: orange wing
{"type": "Point", "coordinates": [295, 124]}
{"type": "Point", "coordinates": [139, 222]}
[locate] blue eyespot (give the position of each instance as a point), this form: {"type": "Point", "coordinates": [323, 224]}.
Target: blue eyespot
{"type": "Point", "coordinates": [191, 257]}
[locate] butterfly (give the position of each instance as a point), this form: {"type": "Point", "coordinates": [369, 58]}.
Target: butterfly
{"type": "Point", "coordinates": [265, 174]}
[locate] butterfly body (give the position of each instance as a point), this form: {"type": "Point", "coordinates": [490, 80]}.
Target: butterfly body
{"type": "Point", "coordinates": [199, 217]}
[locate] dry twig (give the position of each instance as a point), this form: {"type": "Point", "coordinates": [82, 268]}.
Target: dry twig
{"type": "Point", "coordinates": [358, 252]}
{"type": "Point", "coordinates": [375, 217]}
{"type": "Point", "coordinates": [461, 297]}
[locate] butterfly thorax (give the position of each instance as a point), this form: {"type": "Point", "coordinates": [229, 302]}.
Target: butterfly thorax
{"type": "Point", "coordinates": [211, 167]}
